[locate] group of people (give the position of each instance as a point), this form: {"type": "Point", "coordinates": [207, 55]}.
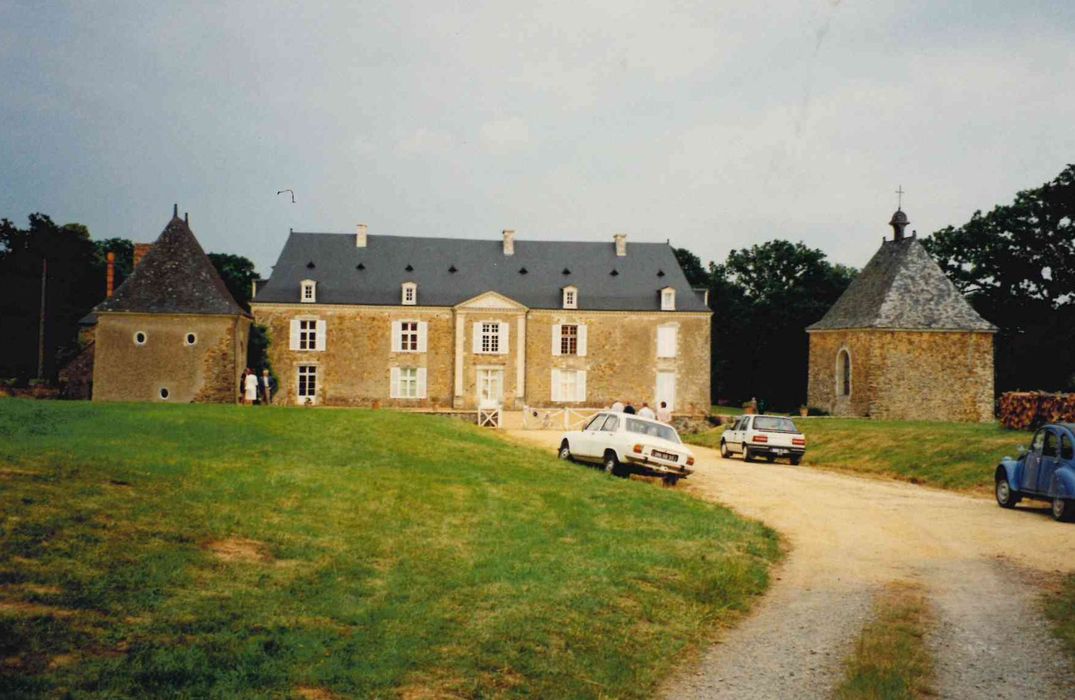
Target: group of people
{"type": "Point", "coordinates": [663, 413]}
{"type": "Point", "coordinates": [254, 389]}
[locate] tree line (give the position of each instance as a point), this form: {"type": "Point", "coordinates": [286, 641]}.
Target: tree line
{"type": "Point", "coordinates": [1015, 264]}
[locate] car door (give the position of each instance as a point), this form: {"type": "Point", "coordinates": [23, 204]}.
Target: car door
{"type": "Point", "coordinates": [606, 436]}
{"type": "Point", "coordinates": [741, 432]}
{"type": "Point", "coordinates": [587, 436]}
{"type": "Point", "coordinates": [1031, 462]}
{"type": "Point", "coordinates": [1050, 460]}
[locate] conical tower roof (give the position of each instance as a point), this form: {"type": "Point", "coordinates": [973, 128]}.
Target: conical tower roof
{"type": "Point", "coordinates": [902, 288]}
{"type": "Point", "coordinates": [175, 276]}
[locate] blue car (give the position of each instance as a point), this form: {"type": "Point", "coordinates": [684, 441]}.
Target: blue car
{"type": "Point", "coordinates": [1045, 472]}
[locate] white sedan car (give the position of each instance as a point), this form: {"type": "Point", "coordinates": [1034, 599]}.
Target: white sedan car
{"type": "Point", "coordinates": [622, 443]}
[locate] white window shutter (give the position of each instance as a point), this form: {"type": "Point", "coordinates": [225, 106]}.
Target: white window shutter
{"type": "Point", "coordinates": [556, 339]}
{"type": "Point", "coordinates": [477, 335]}
{"type": "Point", "coordinates": [556, 385]}
{"type": "Point", "coordinates": [666, 341]}
{"type": "Point", "coordinates": [423, 333]}
{"type": "Point", "coordinates": [580, 385]}
{"type": "Point", "coordinates": [503, 338]}
{"type": "Point", "coordinates": [581, 344]}
{"type": "Point", "coordinates": [673, 341]}
{"type": "Point", "coordinates": [397, 336]}
{"type": "Point", "coordinates": [393, 388]}
{"type": "Point", "coordinates": [421, 382]}
{"type": "Point", "coordinates": [321, 335]}
{"type": "Point", "coordinates": [293, 343]}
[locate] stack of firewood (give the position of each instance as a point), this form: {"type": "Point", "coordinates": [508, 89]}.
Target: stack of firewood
{"type": "Point", "coordinates": [1021, 410]}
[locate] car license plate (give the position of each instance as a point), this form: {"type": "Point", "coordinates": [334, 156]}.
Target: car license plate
{"type": "Point", "coordinates": [665, 455]}
{"type": "Point", "coordinates": [779, 451]}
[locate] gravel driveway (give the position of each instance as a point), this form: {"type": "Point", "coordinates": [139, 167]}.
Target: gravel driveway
{"type": "Point", "coordinates": [978, 563]}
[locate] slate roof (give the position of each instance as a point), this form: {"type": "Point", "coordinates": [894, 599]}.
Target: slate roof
{"type": "Point", "coordinates": [175, 276]}
{"type": "Point", "coordinates": [533, 276]}
{"type": "Point", "coordinates": [902, 287]}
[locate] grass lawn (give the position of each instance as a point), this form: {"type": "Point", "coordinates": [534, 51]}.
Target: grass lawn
{"type": "Point", "coordinates": [949, 455]}
{"type": "Point", "coordinates": [223, 551]}
{"type": "Point", "coordinates": [891, 659]}
{"type": "Point", "coordinates": [1060, 609]}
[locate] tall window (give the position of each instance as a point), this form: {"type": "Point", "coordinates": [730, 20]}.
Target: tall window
{"type": "Point", "coordinates": [308, 295]}
{"type": "Point", "coordinates": [490, 337]}
{"type": "Point", "coordinates": [408, 336]}
{"type": "Point", "coordinates": [408, 383]}
{"type": "Point", "coordinates": [307, 381]}
{"type": "Point", "coordinates": [568, 386]}
{"type": "Point", "coordinates": [666, 341]}
{"type": "Point", "coordinates": [307, 335]}
{"type": "Point", "coordinates": [569, 340]}
{"type": "Point", "coordinates": [843, 373]}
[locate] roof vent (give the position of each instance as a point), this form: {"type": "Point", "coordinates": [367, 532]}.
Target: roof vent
{"type": "Point", "coordinates": [453, 269]}
{"type": "Point", "coordinates": [567, 271]}
{"type": "Point", "coordinates": [310, 265]}
{"type": "Point", "coordinates": [614, 272]}
{"type": "Point", "coordinates": [660, 273]}
{"type": "Point", "coordinates": [409, 268]}
{"type": "Point", "coordinates": [360, 266]}
{"type": "Point", "coordinates": [523, 270]}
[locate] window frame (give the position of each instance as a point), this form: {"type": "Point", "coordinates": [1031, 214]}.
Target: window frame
{"type": "Point", "coordinates": [409, 337]}
{"type": "Point", "coordinates": [668, 299]}
{"type": "Point", "coordinates": [187, 338]}
{"type": "Point", "coordinates": [409, 288]}
{"type": "Point", "coordinates": [569, 342]}
{"type": "Point", "coordinates": [145, 338]}
{"type": "Point", "coordinates": [489, 338]}
{"type": "Point", "coordinates": [305, 374]}
{"type": "Point", "coordinates": [308, 292]}
{"type": "Point", "coordinates": [569, 297]}
{"type": "Point", "coordinates": [844, 373]}
{"type": "Point", "coordinates": [410, 381]}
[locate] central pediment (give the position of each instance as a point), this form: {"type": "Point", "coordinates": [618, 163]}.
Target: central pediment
{"type": "Point", "coordinates": [490, 300]}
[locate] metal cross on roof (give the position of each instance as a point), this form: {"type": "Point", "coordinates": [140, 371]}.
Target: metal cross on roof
{"type": "Point", "coordinates": [899, 202]}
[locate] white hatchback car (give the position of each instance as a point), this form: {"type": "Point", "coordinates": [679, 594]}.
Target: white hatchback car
{"type": "Point", "coordinates": [622, 442]}
{"type": "Point", "coordinates": [763, 436]}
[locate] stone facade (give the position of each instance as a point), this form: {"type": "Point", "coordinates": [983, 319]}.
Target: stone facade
{"type": "Point", "coordinates": [904, 374]}
{"type": "Point", "coordinates": [207, 370]}
{"type": "Point", "coordinates": [354, 368]}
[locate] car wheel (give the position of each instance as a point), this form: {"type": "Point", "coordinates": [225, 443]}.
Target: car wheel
{"type": "Point", "coordinates": [724, 452]}
{"type": "Point", "coordinates": [748, 455]}
{"type": "Point", "coordinates": [795, 461]}
{"type": "Point", "coordinates": [611, 464]}
{"type": "Point", "coordinates": [1063, 509]}
{"type": "Point", "coordinates": [670, 481]}
{"type": "Point", "coordinates": [565, 451]}
{"type": "Point", "coordinates": [770, 459]}
{"type": "Point", "coordinates": [1006, 498]}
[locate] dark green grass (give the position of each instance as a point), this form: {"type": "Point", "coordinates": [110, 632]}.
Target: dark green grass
{"type": "Point", "coordinates": [1060, 609]}
{"type": "Point", "coordinates": [948, 455]}
{"type": "Point", "coordinates": [391, 554]}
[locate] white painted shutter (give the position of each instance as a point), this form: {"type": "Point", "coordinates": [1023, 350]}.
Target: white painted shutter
{"type": "Point", "coordinates": [421, 382]}
{"type": "Point", "coordinates": [666, 341]}
{"type": "Point", "coordinates": [556, 385]}
{"type": "Point", "coordinates": [397, 336]}
{"type": "Point", "coordinates": [423, 333]}
{"type": "Point", "coordinates": [503, 330]}
{"type": "Point", "coordinates": [580, 385]}
{"type": "Point", "coordinates": [556, 339]}
{"type": "Point", "coordinates": [393, 388]}
{"type": "Point", "coordinates": [321, 335]}
{"type": "Point", "coordinates": [581, 340]}
{"type": "Point", "coordinates": [293, 342]}
{"type": "Point", "coordinates": [477, 337]}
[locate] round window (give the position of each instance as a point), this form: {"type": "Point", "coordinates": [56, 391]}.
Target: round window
{"type": "Point", "coordinates": [140, 338]}
{"type": "Point", "coordinates": [164, 392]}
{"type": "Point", "coordinates": [191, 339]}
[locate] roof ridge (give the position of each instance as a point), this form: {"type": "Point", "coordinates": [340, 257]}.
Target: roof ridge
{"type": "Point", "coordinates": [477, 240]}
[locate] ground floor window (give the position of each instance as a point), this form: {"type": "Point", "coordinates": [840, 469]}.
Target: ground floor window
{"type": "Point", "coordinates": [843, 373]}
{"type": "Point", "coordinates": [307, 382]}
{"type": "Point", "coordinates": [491, 385]}
{"type": "Point", "coordinates": [568, 385]}
{"type": "Point", "coordinates": [408, 383]}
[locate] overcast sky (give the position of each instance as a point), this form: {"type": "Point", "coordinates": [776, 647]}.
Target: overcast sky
{"type": "Point", "coordinates": [715, 124]}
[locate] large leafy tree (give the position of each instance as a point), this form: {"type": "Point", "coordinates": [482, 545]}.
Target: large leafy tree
{"type": "Point", "coordinates": [238, 274]}
{"type": "Point", "coordinates": [1015, 265]}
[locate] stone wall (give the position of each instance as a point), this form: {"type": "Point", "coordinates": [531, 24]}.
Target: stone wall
{"type": "Point", "coordinates": [906, 375]}
{"type": "Point", "coordinates": [354, 368]}
{"type": "Point", "coordinates": [207, 371]}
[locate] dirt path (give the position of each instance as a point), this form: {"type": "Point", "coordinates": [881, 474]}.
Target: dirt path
{"type": "Point", "coordinates": [848, 536]}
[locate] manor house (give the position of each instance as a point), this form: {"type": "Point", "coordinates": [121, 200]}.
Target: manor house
{"type": "Point", "coordinates": [360, 320]}
{"type": "Point", "coordinates": [902, 343]}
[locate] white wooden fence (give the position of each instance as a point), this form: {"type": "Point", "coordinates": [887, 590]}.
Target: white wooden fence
{"type": "Point", "coordinates": [567, 418]}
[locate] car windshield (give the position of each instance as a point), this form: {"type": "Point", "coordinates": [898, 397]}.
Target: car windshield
{"type": "Point", "coordinates": [774, 425]}
{"type": "Point", "coordinates": [644, 427]}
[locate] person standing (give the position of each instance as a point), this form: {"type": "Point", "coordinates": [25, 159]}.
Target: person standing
{"type": "Point", "coordinates": [250, 387]}
{"type": "Point", "coordinates": [267, 387]}
{"type": "Point", "coordinates": [629, 409]}
{"type": "Point", "coordinates": [646, 411]}
{"type": "Point", "coordinates": [663, 414]}
{"type": "Point", "coordinates": [617, 406]}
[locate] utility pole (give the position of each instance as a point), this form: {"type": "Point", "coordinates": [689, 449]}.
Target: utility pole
{"type": "Point", "coordinates": [41, 323]}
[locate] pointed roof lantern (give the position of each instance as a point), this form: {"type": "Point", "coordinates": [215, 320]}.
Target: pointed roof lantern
{"type": "Point", "coordinates": [898, 222]}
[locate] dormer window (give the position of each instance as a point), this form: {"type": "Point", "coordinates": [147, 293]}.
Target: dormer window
{"type": "Point", "coordinates": [308, 295]}
{"type": "Point", "coordinates": [410, 293]}
{"type": "Point", "coordinates": [668, 299]}
{"type": "Point", "coordinates": [571, 297]}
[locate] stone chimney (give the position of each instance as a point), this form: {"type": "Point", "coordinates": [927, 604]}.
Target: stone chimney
{"type": "Point", "coordinates": [621, 244]}
{"type": "Point", "coordinates": [110, 275]}
{"type": "Point", "coordinates": [509, 242]}
{"type": "Point", "coordinates": [140, 250]}
{"type": "Point", "coordinates": [361, 231]}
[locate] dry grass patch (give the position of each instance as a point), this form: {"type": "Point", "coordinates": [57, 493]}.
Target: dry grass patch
{"type": "Point", "coordinates": [891, 660]}
{"type": "Point", "coordinates": [238, 549]}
